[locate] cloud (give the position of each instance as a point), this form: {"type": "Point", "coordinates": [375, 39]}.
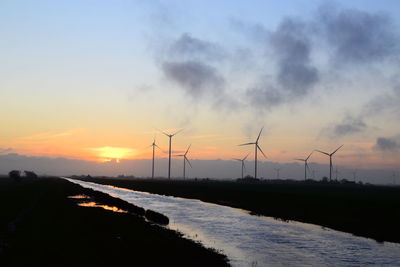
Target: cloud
{"type": "Point", "coordinates": [349, 125]}
{"type": "Point", "coordinates": [357, 36]}
{"type": "Point", "coordinates": [386, 144]}
{"type": "Point", "coordinates": [292, 46]}
{"type": "Point", "coordinates": [265, 97]}
{"type": "Point", "coordinates": [190, 47]}
{"type": "Point", "coordinates": [196, 78]}
{"type": "Point", "coordinates": [296, 76]}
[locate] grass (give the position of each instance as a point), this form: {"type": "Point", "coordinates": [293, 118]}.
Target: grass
{"type": "Point", "coordinates": [364, 210]}
{"type": "Point", "coordinates": [41, 226]}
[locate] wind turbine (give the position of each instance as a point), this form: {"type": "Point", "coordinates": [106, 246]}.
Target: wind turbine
{"type": "Point", "coordinates": [305, 165]}
{"type": "Point", "coordinates": [277, 172]}
{"type": "Point", "coordinates": [336, 172]}
{"type": "Point", "coordinates": [154, 145]}
{"type": "Point", "coordinates": [242, 160]}
{"type": "Point", "coordinates": [354, 175]}
{"type": "Point", "coordinates": [169, 152]}
{"type": "Point", "coordinates": [330, 160]}
{"type": "Point", "coordinates": [257, 147]}
{"type": "Point", "coordinates": [185, 159]}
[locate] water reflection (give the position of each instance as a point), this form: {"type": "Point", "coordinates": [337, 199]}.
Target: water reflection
{"type": "Point", "coordinates": [257, 240]}
{"type": "Point", "coordinates": [79, 197]}
{"type": "Point", "coordinates": [106, 207]}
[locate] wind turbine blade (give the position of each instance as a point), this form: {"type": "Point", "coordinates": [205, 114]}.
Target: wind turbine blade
{"type": "Point", "coordinates": [308, 167]}
{"type": "Point", "coordinates": [188, 162]}
{"type": "Point", "coordinates": [300, 159]}
{"type": "Point", "coordinates": [244, 166]}
{"type": "Point", "coordinates": [336, 150]}
{"type": "Point", "coordinates": [322, 152]}
{"type": "Point", "coordinates": [162, 132]}
{"type": "Point", "coordinates": [246, 144]}
{"type": "Point", "coordinates": [177, 132]}
{"type": "Point", "coordinates": [157, 147]}
{"type": "Point", "coordinates": [188, 149]}
{"type": "Point", "coordinates": [237, 159]}
{"type": "Point", "coordinates": [309, 155]}
{"type": "Point", "coordinates": [246, 156]}
{"type": "Point", "coordinates": [259, 148]}
{"type": "Point", "coordinates": [258, 137]}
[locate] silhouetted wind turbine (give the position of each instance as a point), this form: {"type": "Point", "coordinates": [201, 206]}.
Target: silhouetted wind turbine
{"type": "Point", "coordinates": [257, 147]}
{"type": "Point", "coordinates": [242, 160]}
{"type": "Point", "coordinates": [354, 175]}
{"type": "Point", "coordinates": [154, 145]}
{"type": "Point", "coordinates": [185, 159]}
{"type": "Point", "coordinates": [277, 172]}
{"type": "Point", "coordinates": [305, 165]}
{"type": "Point", "coordinates": [336, 173]}
{"type": "Point", "coordinates": [330, 160]}
{"type": "Point", "coordinates": [169, 153]}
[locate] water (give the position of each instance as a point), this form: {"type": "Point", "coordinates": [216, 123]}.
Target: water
{"type": "Point", "coordinates": [257, 240]}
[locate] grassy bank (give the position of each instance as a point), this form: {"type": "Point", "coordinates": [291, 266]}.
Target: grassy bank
{"type": "Point", "coordinates": [41, 226]}
{"type": "Point", "coordinates": [364, 210]}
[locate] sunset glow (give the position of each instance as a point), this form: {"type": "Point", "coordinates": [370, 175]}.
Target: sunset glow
{"type": "Point", "coordinates": [109, 153]}
{"type": "Point", "coordinates": [88, 88]}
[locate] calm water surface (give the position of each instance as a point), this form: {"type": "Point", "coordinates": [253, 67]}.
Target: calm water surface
{"type": "Point", "coordinates": [257, 240]}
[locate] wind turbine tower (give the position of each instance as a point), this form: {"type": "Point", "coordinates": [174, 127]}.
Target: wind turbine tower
{"type": "Point", "coordinates": [154, 145]}
{"type": "Point", "coordinates": [243, 166]}
{"type": "Point", "coordinates": [256, 147]}
{"type": "Point", "coordinates": [330, 160]}
{"type": "Point", "coordinates": [354, 175]}
{"type": "Point", "coordinates": [277, 172]}
{"type": "Point", "coordinates": [185, 159]}
{"type": "Point", "coordinates": [169, 152]}
{"type": "Point", "coordinates": [305, 165]}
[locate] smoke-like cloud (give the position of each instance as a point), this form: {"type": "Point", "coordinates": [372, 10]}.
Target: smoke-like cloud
{"type": "Point", "coordinates": [350, 37]}
{"type": "Point", "coordinates": [349, 125]}
{"type": "Point", "coordinates": [386, 144]}
{"type": "Point", "coordinates": [196, 78]}
{"type": "Point", "coordinates": [188, 47]}
{"type": "Point", "coordinates": [292, 46]}
{"type": "Point", "coordinates": [357, 36]}
{"type": "Point", "coordinates": [265, 97]}
{"type": "Point", "coordinates": [295, 76]}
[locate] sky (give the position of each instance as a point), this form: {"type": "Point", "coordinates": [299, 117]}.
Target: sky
{"type": "Point", "coordinates": [97, 80]}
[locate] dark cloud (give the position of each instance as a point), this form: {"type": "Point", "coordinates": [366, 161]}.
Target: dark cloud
{"type": "Point", "coordinates": [196, 78]}
{"type": "Point", "coordinates": [296, 76]}
{"type": "Point", "coordinates": [387, 144]}
{"type": "Point", "coordinates": [358, 36]}
{"type": "Point", "coordinates": [349, 125]}
{"type": "Point", "coordinates": [292, 47]}
{"type": "Point", "coordinates": [265, 98]}
{"type": "Point", "coordinates": [190, 47]}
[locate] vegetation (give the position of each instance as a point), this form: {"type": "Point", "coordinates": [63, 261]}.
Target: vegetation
{"type": "Point", "coordinates": [365, 210]}
{"type": "Point", "coordinates": [41, 226]}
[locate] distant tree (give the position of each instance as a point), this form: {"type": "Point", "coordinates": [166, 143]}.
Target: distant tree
{"type": "Point", "coordinates": [325, 179]}
{"type": "Point", "coordinates": [30, 174]}
{"type": "Point", "coordinates": [15, 174]}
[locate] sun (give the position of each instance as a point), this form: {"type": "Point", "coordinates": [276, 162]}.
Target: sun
{"type": "Point", "coordinates": [108, 153]}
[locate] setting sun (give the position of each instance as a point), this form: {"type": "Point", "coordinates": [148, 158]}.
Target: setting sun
{"type": "Point", "coordinates": [109, 153]}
